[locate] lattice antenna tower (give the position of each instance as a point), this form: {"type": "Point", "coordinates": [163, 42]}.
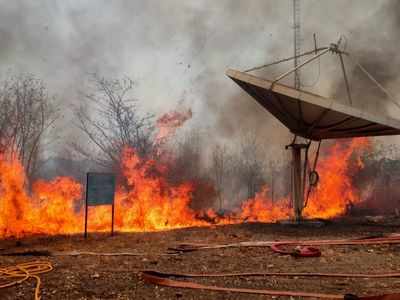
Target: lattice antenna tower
{"type": "Point", "coordinates": [297, 39]}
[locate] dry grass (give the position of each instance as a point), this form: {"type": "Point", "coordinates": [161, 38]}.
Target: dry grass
{"type": "Point", "coordinates": [92, 277]}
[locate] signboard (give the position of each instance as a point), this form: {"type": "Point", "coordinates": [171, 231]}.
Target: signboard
{"type": "Point", "coordinates": [100, 190]}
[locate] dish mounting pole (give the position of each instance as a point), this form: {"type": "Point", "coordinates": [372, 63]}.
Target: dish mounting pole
{"type": "Point", "coordinates": [296, 148]}
{"type": "Point", "coordinates": [298, 177]}
{"type": "Point", "coordinates": [297, 41]}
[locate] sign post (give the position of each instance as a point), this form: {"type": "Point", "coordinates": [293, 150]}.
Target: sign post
{"type": "Point", "coordinates": [100, 190]}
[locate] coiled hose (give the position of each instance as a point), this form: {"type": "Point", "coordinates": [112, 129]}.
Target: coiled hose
{"type": "Point", "coordinates": [17, 274]}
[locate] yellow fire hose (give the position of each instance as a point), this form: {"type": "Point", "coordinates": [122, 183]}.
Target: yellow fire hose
{"type": "Point", "coordinates": [17, 274]}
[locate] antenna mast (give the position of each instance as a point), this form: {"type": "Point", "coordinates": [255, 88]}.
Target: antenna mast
{"type": "Point", "coordinates": [297, 40]}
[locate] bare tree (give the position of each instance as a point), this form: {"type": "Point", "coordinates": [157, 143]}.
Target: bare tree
{"type": "Point", "coordinates": [27, 113]}
{"type": "Point", "coordinates": [249, 167]}
{"type": "Point", "coordinates": [111, 120]}
{"type": "Point", "coordinates": [186, 165]}
{"type": "Point", "coordinates": [187, 158]}
{"type": "Point", "coordinates": [219, 171]}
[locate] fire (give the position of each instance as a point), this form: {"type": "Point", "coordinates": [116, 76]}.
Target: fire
{"type": "Point", "coordinates": [146, 201]}
{"type": "Point", "coordinates": [49, 210]}
{"type": "Point", "coordinates": [56, 203]}
{"type": "Point", "coordinates": [335, 190]}
{"type": "Point", "coordinates": [262, 209]}
{"type": "Point", "coordinates": [168, 123]}
{"type": "Point", "coordinates": [333, 193]}
{"type": "Point", "coordinates": [15, 205]}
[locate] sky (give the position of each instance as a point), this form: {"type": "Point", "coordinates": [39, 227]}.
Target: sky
{"type": "Point", "coordinates": [177, 51]}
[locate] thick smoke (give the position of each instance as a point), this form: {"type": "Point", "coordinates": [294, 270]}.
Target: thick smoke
{"type": "Point", "coordinates": [179, 50]}
{"type": "Point", "coordinates": [374, 46]}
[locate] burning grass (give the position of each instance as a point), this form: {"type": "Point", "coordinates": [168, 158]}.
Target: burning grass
{"type": "Point", "coordinates": [148, 202]}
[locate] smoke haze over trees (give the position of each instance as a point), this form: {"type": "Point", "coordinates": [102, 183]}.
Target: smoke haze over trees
{"type": "Point", "coordinates": [177, 52]}
{"type": "Point", "coordinates": [177, 49]}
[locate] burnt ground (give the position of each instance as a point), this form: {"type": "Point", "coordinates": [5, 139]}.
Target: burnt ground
{"type": "Point", "coordinates": [93, 277]}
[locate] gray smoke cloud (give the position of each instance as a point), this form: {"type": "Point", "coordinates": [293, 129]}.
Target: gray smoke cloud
{"type": "Point", "coordinates": [375, 47]}
{"type": "Point", "coordinates": [179, 50]}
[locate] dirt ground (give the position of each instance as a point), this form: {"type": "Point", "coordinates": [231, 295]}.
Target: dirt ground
{"type": "Point", "coordinates": [101, 277]}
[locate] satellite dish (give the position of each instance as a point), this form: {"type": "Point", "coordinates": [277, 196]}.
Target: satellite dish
{"type": "Point", "coordinates": [312, 116]}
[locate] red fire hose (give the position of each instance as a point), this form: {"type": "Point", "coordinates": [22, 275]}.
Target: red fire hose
{"type": "Point", "coordinates": [302, 249]}
{"type": "Point", "coordinates": [299, 251]}
{"type": "Point", "coordinates": [277, 245]}
{"type": "Point", "coordinates": [160, 278]}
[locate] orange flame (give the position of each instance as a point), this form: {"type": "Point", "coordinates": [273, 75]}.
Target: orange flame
{"type": "Point", "coordinates": [168, 123]}
{"type": "Point", "coordinates": [145, 201]}
{"type": "Point", "coordinates": [335, 190]}
{"type": "Point", "coordinates": [15, 205]}
{"type": "Point", "coordinates": [262, 209]}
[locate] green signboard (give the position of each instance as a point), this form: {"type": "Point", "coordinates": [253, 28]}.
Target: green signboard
{"type": "Point", "coordinates": [100, 189]}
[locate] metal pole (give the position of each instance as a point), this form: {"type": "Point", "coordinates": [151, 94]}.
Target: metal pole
{"type": "Point", "coordinates": [296, 40]}
{"type": "Point", "coordinates": [390, 96]}
{"type": "Point", "coordinates": [112, 219]}
{"type": "Point", "coordinates": [297, 182]}
{"type": "Point", "coordinates": [299, 66]}
{"type": "Point", "coordinates": [315, 42]}
{"type": "Point", "coordinates": [304, 171]}
{"type": "Point", "coordinates": [314, 51]}
{"type": "Point", "coordinates": [345, 78]}
{"type": "Point", "coordinates": [86, 205]}
{"type": "Point", "coordinates": [273, 187]}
